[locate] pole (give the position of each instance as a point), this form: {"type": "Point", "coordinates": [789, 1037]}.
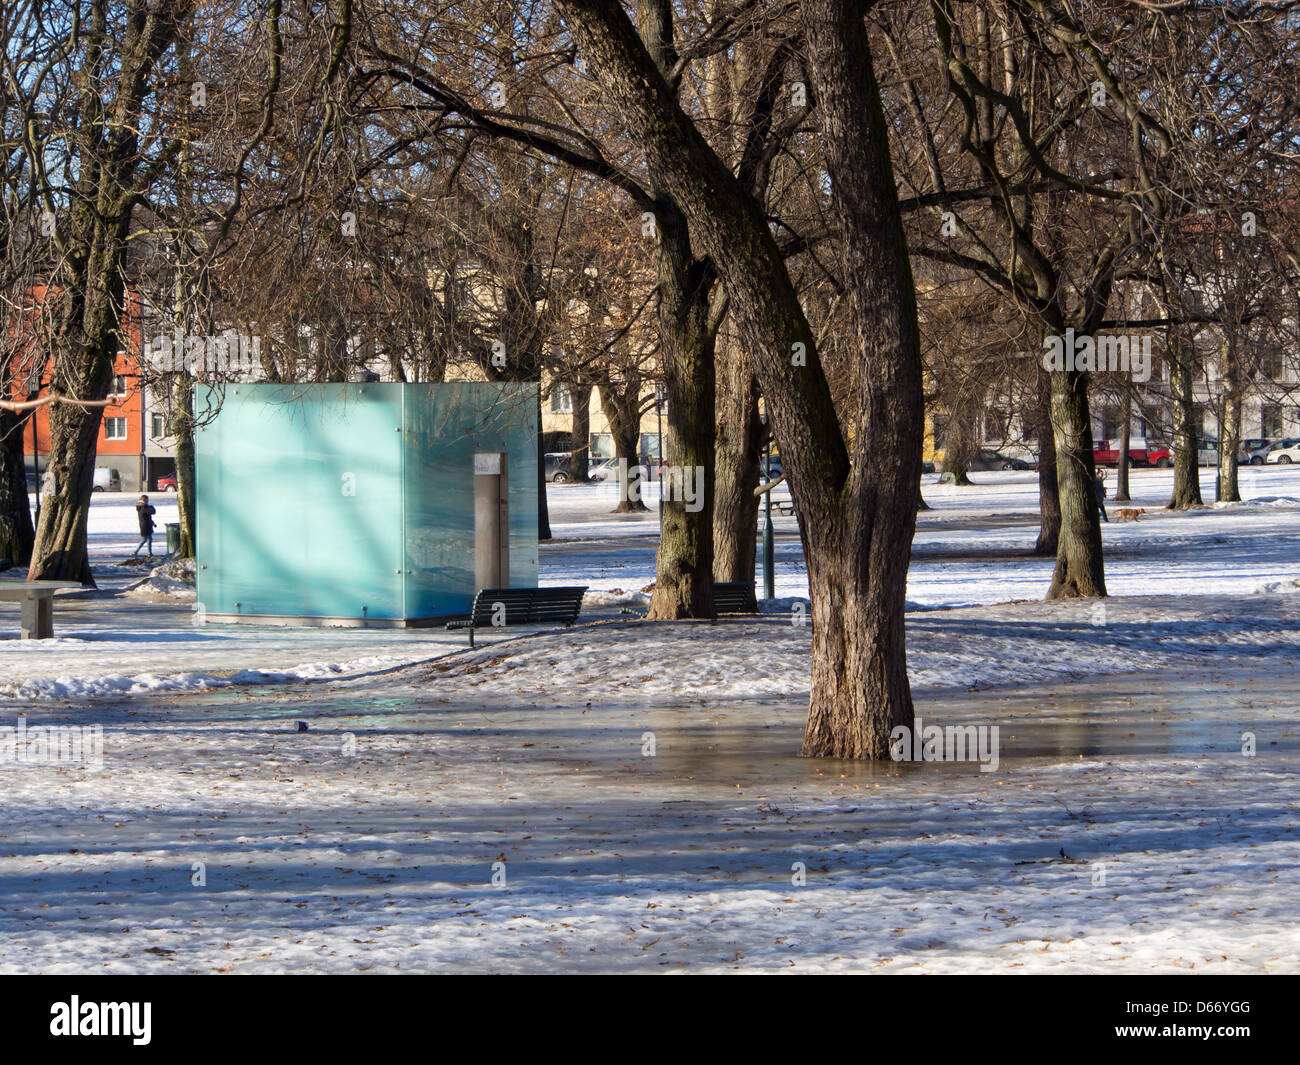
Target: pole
{"type": "Point", "coordinates": [36, 466]}
{"type": "Point", "coordinates": [769, 567]}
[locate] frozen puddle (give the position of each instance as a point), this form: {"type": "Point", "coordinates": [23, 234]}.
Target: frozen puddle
{"type": "Point", "coordinates": [413, 829]}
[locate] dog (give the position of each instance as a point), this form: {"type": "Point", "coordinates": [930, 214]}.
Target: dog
{"type": "Point", "coordinates": [1129, 513]}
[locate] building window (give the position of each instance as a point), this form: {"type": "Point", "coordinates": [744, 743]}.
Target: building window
{"type": "Point", "coordinates": [1270, 364]}
{"type": "Point", "coordinates": [119, 385]}
{"type": "Point", "coordinates": [561, 400]}
{"type": "Point", "coordinates": [114, 428]}
{"type": "Point", "coordinates": [1270, 419]}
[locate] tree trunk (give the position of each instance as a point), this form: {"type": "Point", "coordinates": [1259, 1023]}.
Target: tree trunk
{"type": "Point", "coordinates": [16, 530]}
{"type": "Point", "coordinates": [1080, 570]}
{"type": "Point", "coordinates": [1229, 446]}
{"type": "Point", "coordinates": [59, 551]}
{"type": "Point", "coordinates": [182, 428]}
{"type": "Point", "coordinates": [1049, 494]}
{"type": "Point", "coordinates": [623, 412]}
{"type": "Point", "coordinates": [1187, 468]}
{"type": "Point", "coordinates": [580, 434]}
{"type": "Point", "coordinates": [543, 509]}
{"type": "Point", "coordinates": [960, 446]}
{"type": "Point", "coordinates": [857, 510]}
{"type": "Point", "coordinates": [684, 560]}
{"type": "Point", "coordinates": [739, 436]}
{"type": "Point", "coordinates": [1121, 468]}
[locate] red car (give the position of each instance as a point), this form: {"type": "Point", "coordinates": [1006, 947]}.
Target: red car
{"type": "Point", "coordinates": [166, 484]}
{"type": "Point", "coordinates": [1141, 452]}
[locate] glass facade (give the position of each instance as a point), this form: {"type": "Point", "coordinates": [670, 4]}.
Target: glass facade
{"type": "Point", "coordinates": [355, 502]}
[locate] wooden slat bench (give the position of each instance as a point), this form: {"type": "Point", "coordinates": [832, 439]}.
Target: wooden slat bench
{"type": "Point", "coordinates": [37, 599]}
{"type": "Point", "coordinates": [494, 607]}
{"type": "Point", "coordinates": [729, 597]}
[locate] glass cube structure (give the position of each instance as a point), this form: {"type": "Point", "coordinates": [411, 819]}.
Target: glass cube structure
{"type": "Point", "coordinates": [354, 503]}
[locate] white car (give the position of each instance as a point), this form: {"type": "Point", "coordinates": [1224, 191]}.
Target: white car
{"type": "Point", "coordinates": [1284, 454]}
{"type": "Point", "coordinates": [603, 470]}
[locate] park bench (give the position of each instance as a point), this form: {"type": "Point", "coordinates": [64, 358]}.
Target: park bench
{"type": "Point", "coordinates": [494, 607]}
{"type": "Point", "coordinates": [37, 600]}
{"type": "Point", "coordinates": [729, 597]}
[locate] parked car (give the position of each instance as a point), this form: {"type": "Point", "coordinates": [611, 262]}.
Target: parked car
{"type": "Point", "coordinates": [557, 466]}
{"type": "Point", "coordinates": [1287, 452]}
{"type": "Point", "coordinates": [107, 480]}
{"type": "Point", "coordinates": [603, 469]}
{"type": "Point", "coordinates": [1142, 451]}
{"type": "Point", "coordinates": [166, 483]}
{"type": "Point", "coordinates": [1254, 449]}
{"type": "Point", "coordinates": [987, 459]}
{"type": "Point", "coordinates": [1207, 451]}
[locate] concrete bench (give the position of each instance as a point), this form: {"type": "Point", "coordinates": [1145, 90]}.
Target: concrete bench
{"type": "Point", "coordinates": [37, 600]}
{"type": "Point", "coordinates": [494, 607]}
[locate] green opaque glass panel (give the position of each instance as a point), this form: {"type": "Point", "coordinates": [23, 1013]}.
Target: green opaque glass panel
{"type": "Point", "coordinates": [300, 502]}
{"type": "Point", "coordinates": [445, 425]}
{"type": "Point", "coordinates": [356, 501]}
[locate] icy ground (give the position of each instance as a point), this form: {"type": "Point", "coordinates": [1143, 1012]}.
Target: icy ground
{"type": "Point", "coordinates": [637, 783]}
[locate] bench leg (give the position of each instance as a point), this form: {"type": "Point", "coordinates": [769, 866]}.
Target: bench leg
{"type": "Point", "coordinates": [471, 635]}
{"type": "Point", "coordinates": [37, 621]}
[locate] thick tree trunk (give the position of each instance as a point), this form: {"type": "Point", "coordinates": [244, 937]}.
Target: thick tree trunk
{"type": "Point", "coordinates": [857, 512]}
{"type": "Point", "coordinates": [580, 434]}
{"type": "Point", "coordinates": [858, 552]}
{"type": "Point", "coordinates": [684, 560]}
{"type": "Point", "coordinates": [735, 508]}
{"type": "Point", "coordinates": [960, 446]}
{"type": "Point", "coordinates": [59, 552]}
{"type": "Point", "coordinates": [623, 412]}
{"type": "Point", "coordinates": [16, 530]}
{"type": "Point", "coordinates": [1187, 468]}
{"type": "Point", "coordinates": [1049, 494]}
{"type": "Point", "coordinates": [1080, 570]}
{"type": "Point", "coordinates": [1229, 446]}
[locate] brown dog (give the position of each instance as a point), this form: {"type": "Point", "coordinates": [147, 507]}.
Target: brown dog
{"type": "Point", "coordinates": [1129, 513]}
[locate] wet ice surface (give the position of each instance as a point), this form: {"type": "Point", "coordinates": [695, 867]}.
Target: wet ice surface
{"type": "Point", "coordinates": [615, 861]}
{"type": "Point", "coordinates": [1121, 739]}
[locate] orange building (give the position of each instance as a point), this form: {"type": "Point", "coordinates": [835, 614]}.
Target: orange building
{"type": "Point", "coordinates": [121, 443]}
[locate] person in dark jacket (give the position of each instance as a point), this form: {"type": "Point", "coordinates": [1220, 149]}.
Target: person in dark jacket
{"type": "Point", "coordinates": [1099, 483]}
{"type": "Point", "coordinates": [144, 512]}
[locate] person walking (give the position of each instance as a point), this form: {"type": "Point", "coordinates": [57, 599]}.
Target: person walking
{"type": "Point", "coordinates": [1100, 485]}
{"type": "Point", "coordinates": [144, 512]}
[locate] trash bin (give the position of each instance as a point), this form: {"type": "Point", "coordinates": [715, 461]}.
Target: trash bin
{"type": "Point", "coordinates": [173, 537]}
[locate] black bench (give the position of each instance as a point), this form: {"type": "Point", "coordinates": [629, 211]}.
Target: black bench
{"type": "Point", "coordinates": [729, 597]}
{"type": "Point", "coordinates": [495, 607]}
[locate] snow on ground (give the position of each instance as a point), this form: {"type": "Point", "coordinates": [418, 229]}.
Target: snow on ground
{"type": "Point", "coordinates": [634, 790]}
{"type": "Point", "coordinates": [971, 550]}
{"type": "Point", "coordinates": [1122, 831]}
